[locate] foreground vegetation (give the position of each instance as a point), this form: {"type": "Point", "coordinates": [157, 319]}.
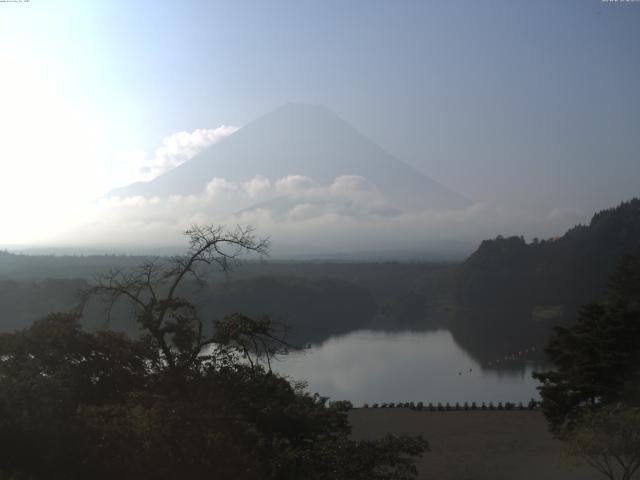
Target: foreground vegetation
{"type": "Point", "coordinates": [178, 401]}
{"type": "Point", "coordinates": [592, 396]}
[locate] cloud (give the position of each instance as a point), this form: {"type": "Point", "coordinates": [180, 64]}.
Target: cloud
{"type": "Point", "coordinates": [303, 216]}
{"type": "Point", "coordinates": [350, 191]}
{"type": "Point", "coordinates": [294, 185]}
{"type": "Point", "coordinates": [179, 147]}
{"type": "Point", "coordinates": [258, 188]}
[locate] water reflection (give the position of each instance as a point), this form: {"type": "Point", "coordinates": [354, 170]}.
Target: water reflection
{"type": "Point", "coordinates": [369, 366]}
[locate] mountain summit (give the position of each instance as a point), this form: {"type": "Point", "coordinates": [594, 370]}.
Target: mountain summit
{"type": "Point", "coordinates": [305, 140]}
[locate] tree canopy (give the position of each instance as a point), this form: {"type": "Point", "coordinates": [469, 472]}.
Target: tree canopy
{"type": "Point", "coordinates": [182, 400]}
{"type": "Point", "coordinates": [597, 360]}
{"type": "Point", "coordinates": [609, 441]}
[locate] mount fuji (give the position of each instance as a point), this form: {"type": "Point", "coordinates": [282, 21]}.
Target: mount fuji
{"type": "Point", "coordinates": [309, 142]}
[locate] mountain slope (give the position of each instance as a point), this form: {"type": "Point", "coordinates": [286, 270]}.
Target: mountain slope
{"type": "Point", "coordinates": [510, 292]}
{"type": "Point", "coordinates": [302, 140]}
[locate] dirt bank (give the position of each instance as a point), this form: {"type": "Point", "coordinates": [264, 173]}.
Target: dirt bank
{"type": "Point", "coordinates": [476, 445]}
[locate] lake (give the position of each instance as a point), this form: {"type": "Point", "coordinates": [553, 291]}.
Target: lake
{"type": "Point", "coordinates": [375, 367]}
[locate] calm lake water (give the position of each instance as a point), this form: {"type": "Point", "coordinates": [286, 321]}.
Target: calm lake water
{"type": "Point", "coordinates": [368, 367]}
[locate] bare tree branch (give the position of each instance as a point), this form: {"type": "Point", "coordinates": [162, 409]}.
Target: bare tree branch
{"type": "Point", "coordinates": [152, 288]}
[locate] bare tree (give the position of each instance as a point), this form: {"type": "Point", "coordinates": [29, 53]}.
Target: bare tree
{"type": "Point", "coordinates": [255, 339]}
{"type": "Point", "coordinates": [153, 289]}
{"type": "Point", "coordinates": [608, 439]}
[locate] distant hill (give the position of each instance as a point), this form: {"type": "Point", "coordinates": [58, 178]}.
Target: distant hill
{"type": "Point", "coordinates": [510, 292]}
{"type": "Point", "coordinates": [306, 140]}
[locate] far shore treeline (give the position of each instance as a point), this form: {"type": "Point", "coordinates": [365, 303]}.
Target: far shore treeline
{"type": "Point", "coordinates": [504, 298]}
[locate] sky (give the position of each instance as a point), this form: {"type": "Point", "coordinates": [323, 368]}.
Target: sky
{"type": "Point", "coordinates": [532, 107]}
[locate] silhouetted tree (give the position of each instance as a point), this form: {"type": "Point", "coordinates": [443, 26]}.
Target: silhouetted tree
{"type": "Point", "coordinates": [609, 441]}
{"type": "Point", "coordinates": [597, 361]}
{"type": "Point", "coordinates": [152, 290]}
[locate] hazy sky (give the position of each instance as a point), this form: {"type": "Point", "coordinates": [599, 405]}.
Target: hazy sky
{"type": "Point", "coordinates": [533, 104]}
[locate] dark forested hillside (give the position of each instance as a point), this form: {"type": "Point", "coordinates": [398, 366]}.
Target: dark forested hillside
{"type": "Point", "coordinates": [509, 292]}
{"type": "Point", "coordinates": [314, 309]}
{"type": "Point", "coordinates": [38, 267]}
{"type": "Point", "coordinates": [315, 299]}
{"type": "Point", "coordinates": [23, 302]}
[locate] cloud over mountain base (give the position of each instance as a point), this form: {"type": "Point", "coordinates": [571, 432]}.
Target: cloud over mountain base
{"type": "Point", "coordinates": [304, 217]}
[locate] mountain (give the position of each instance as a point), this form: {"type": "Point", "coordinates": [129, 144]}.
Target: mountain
{"type": "Point", "coordinates": [307, 140]}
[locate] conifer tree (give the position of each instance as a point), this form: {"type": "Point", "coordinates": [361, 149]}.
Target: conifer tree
{"type": "Point", "coordinates": [597, 361]}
